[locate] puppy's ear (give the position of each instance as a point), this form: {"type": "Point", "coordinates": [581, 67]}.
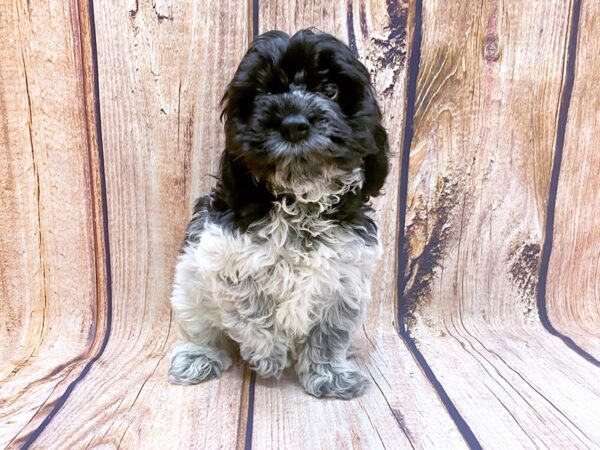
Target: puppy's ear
{"type": "Point", "coordinates": [376, 165]}
{"type": "Point", "coordinates": [235, 183]}
{"type": "Point", "coordinates": [238, 194]}
{"type": "Point", "coordinates": [253, 72]}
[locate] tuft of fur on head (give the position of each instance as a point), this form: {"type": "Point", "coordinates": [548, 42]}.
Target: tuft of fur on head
{"type": "Point", "coordinates": [313, 75]}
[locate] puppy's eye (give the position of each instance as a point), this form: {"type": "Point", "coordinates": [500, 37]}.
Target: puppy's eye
{"type": "Point", "coordinates": [330, 90]}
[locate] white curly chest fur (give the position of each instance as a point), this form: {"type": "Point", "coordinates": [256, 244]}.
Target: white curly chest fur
{"type": "Point", "coordinates": [268, 286]}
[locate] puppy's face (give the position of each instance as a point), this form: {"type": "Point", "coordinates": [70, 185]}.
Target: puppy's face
{"type": "Point", "coordinates": [302, 107]}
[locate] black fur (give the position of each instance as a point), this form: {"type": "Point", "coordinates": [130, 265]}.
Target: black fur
{"type": "Point", "coordinates": [259, 97]}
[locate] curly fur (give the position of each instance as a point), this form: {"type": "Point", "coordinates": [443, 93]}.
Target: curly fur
{"type": "Point", "coordinates": [278, 259]}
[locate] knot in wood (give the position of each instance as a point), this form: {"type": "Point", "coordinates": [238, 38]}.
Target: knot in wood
{"type": "Point", "coordinates": [491, 48]}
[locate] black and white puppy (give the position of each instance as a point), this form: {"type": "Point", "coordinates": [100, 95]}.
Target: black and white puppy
{"type": "Point", "coordinates": [278, 259]}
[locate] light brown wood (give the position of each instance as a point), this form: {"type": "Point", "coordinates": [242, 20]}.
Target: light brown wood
{"type": "Point", "coordinates": [161, 76]}
{"type": "Point", "coordinates": [573, 291]}
{"type": "Point", "coordinates": [401, 409]}
{"type": "Point", "coordinates": [52, 289]}
{"type": "Point", "coordinates": [82, 368]}
{"type": "Point", "coordinates": [520, 389]}
{"type": "Point", "coordinates": [488, 97]}
{"type": "Point", "coordinates": [480, 161]}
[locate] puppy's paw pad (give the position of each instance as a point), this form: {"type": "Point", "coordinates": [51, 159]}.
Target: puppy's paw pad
{"type": "Point", "coordinates": [344, 384]}
{"type": "Point", "coordinates": [192, 367]}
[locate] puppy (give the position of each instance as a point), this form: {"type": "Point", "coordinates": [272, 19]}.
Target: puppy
{"type": "Point", "coordinates": [278, 259]}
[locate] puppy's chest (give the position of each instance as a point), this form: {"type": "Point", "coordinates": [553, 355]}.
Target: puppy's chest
{"type": "Point", "coordinates": [289, 253]}
{"type": "Point", "coordinates": [295, 266]}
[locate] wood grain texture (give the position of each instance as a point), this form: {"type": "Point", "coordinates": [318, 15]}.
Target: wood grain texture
{"type": "Point", "coordinates": [573, 291]}
{"type": "Point", "coordinates": [480, 162]}
{"type": "Point", "coordinates": [401, 409]}
{"type": "Point", "coordinates": [91, 223]}
{"type": "Point", "coordinates": [518, 390]}
{"type": "Point", "coordinates": [159, 93]}
{"type": "Point", "coordinates": [52, 276]}
{"type": "Point", "coordinates": [480, 165]}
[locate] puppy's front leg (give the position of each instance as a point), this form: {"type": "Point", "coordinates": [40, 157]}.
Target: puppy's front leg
{"type": "Point", "coordinates": [322, 366]}
{"type": "Point", "coordinates": [251, 324]}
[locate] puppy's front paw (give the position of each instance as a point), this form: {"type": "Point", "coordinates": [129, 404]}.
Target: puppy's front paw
{"type": "Point", "coordinates": [191, 364]}
{"type": "Point", "coordinates": [334, 380]}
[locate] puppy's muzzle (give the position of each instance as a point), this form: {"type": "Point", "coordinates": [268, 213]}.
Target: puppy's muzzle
{"type": "Point", "coordinates": [295, 128]}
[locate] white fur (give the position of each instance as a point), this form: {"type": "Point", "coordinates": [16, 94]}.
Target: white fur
{"type": "Point", "coordinates": [295, 279]}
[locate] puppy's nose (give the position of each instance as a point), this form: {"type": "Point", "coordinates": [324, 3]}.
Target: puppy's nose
{"type": "Point", "coordinates": [295, 127]}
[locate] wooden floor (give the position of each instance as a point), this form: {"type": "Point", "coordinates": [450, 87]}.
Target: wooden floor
{"type": "Point", "coordinates": [484, 331]}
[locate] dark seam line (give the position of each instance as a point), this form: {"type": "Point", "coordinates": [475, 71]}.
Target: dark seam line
{"type": "Point", "coordinates": [254, 19]}
{"type": "Point", "coordinates": [350, 27]}
{"type": "Point", "coordinates": [250, 421]}
{"type": "Point", "coordinates": [409, 116]}
{"type": "Point", "coordinates": [565, 103]}
{"type": "Point", "coordinates": [252, 386]}
{"type": "Point", "coordinates": [64, 397]}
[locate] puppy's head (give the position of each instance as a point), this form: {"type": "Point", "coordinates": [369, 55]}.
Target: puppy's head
{"type": "Point", "coordinates": [301, 107]}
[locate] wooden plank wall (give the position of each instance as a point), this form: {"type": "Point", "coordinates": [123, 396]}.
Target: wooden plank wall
{"type": "Point", "coordinates": [492, 94]}
{"type": "Point", "coordinates": [483, 330]}
{"type": "Point", "coordinates": [159, 120]}
{"type": "Point", "coordinates": [52, 266]}
{"type": "Point", "coordinates": [574, 271]}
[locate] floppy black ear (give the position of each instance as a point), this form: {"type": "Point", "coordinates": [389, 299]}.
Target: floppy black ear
{"type": "Point", "coordinates": [238, 196]}
{"type": "Point", "coordinates": [252, 71]}
{"type": "Point", "coordinates": [376, 165]}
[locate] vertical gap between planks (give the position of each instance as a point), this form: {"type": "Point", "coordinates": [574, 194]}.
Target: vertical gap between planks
{"type": "Point", "coordinates": [244, 431]}
{"type": "Point", "coordinates": [91, 88]}
{"type": "Point", "coordinates": [250, 421]}
{"type": "Point", "coordinates": [254, 18]}
{"type": "Point", "coordinates": [402, 258]}
{"type": "Point", "coordinates": [563, 115]}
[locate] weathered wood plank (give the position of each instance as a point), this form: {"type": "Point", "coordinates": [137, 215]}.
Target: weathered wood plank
{"type": "Point", "coordinates": [489, 93]}
{"type": "Point", "coordinates": [573, 290]}
{"type": "Point", "coordinates": [481, 158]}
{"type": "Point", "coordinates": [51, 240]}
{"type": "Point", "coordinates": [162, 71]}
{"type": "Point", "coordinates": [518, 389]}
{"type": "Point", "coordinates": [401, 410]}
